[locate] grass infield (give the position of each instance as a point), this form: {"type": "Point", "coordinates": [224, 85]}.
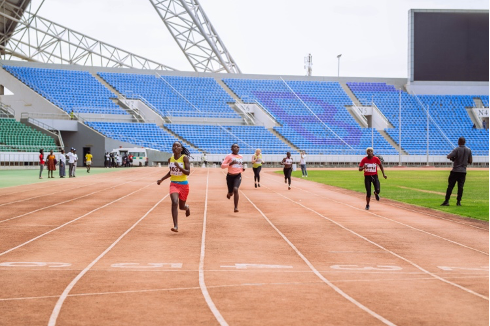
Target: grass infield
{"type": "Point", "coordinates": [425, 188]}
{"type": "Point", "coordinates": [10, 178]}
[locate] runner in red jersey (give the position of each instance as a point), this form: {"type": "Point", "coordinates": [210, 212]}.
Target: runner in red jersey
{"type": "Point", "coordinates": [370, 166]}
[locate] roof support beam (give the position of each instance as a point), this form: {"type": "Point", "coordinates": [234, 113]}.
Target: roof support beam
{"type": "Point", "coordinates": [195, 35]}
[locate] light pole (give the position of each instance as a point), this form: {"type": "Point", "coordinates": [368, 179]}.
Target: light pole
{"type": "Point", "coordinates": [428, 134]}
{"type": "Point", "coordinates": [338, 66]}
{"type": "Point", "coordinates": [400, 129]}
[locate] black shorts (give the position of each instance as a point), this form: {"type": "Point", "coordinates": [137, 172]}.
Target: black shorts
{"type": "Point", "coordinates": [233, 181]}
{"type": "Point", "coordinates": [368, 179]}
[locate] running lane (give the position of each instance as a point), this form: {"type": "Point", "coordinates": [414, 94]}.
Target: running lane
{"type": "Point", "coordinates": [386, 257]}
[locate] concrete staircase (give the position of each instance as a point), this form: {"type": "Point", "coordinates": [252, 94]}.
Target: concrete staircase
{"type": "Point", "coordinates": [185, 142]}
{"type": "Point", "coordinates": [350, 94]}
{"type": "Point", "coordinates": [391, 141]}
{"type": "Point", "coordinates": [284, 140]}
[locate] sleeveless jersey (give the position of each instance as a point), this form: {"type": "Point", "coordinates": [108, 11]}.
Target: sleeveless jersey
{"type": "Point", "coordinates": [258, 161]}
{"type": "Point", "coordinates": [175, 173]}
{"type": "Point", "coordinates": [288, 161]}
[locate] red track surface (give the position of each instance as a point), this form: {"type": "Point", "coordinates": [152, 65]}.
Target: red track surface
{"type": "Point", "coordinates": [99, 251]}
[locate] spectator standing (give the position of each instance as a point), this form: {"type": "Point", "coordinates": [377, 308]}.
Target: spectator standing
{"type": "Point", "coordinates": [72, 157]}
{"type": "Point", "coordinates": [302, 163]}
{"type": "Point", "coordinates": [119, 160]}
{"type": "Point", "coordinates": [461, 157]}
{"type": "Point", "coordinates": [107, 161]}
{"type": "Point", "coordinates": [62, 159]}
{"type": "Point", "coordinates": [113, 160]}
{"type": "Point", "coordinates": [41, 163]}
{"type": "Point", "coordinates": [51, 163]}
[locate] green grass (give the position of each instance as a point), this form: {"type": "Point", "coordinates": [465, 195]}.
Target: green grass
{"type": "Point", "coordinates": [421, 183]}
{"type": "Point", "coordinates": [10, 178]}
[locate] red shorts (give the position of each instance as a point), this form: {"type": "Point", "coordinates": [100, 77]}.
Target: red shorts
{"type": "Point", "coordinates": [182, 190]}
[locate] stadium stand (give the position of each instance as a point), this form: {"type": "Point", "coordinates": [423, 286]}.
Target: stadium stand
{"type": "Point", "coordinates": [449, 118]}
{"type": "Point", "coordinates": [142, 134]}
{"type": "Point", "coordinates": [175, 96]}
{"type": "Point", "coordinates": [17, 137]}
{"type": "Point", "coordinates": [68, 89]}
{"type": "Point", "coordinates": [312, 114]}
{"type": "Point", "coordinates": [218, 139]}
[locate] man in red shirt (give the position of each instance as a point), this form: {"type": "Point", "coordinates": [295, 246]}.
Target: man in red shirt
{"type": "Point", "coordinates": [370, 166]}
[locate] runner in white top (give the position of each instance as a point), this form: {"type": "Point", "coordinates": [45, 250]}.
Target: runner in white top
{"type": "Point", "coordinates": [288, 168]}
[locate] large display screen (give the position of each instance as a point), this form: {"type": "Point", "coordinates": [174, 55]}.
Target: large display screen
{"type": "Point", "coordinates": [450, 46]}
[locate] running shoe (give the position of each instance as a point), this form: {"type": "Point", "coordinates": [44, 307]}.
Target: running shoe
{"type": "Point", "coordinates": [458, 203]}
{"type": "Point", "coordinates": [255, 185]}
{"type": "Point", "coordinates": [377, 196]}
{"type": "Point", "coordinates": [445, 203]}
{"type": "Point", "coordinates": [367, 207]}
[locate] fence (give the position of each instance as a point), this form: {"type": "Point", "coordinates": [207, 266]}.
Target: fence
{"type": "Point", "coordinates": [10, 160]}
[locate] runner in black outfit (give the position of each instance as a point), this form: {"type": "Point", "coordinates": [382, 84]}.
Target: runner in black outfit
{"type": "Point", "coordinates": [288, 168]}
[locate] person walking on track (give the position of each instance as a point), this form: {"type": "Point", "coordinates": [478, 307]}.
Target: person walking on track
{"type": "Point", "coordinates": [234, 163]}
{"type": "Point", "coordinates": [88, 161]}
{"type": "Point", "coordinates": [257, 162]}
{"type": "Point", "coordinates": [179, 169]}
{"type": "Point", "coordinates": [370, 166]}
{"type": "Point", "coordinates": [287, 162]}
{"type": "Point", "coordinates": [51, 163]}
{"type": "Point", "coordinates": [461, 157]}
{"type": "Point", "coordinates": [302, 163]}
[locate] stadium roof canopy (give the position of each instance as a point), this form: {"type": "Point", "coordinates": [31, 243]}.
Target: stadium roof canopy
{"type": "Point", "coordinates": [10, 12]}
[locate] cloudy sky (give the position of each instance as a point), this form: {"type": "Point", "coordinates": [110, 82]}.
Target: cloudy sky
{"type": "Point", "coordinates": [265, 36]}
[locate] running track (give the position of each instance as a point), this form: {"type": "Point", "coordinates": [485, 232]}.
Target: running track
{"type": "Point", "coordinates": [98, 250]}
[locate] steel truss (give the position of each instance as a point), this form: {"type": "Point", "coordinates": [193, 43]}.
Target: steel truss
{"type": "Point", "coordinates": [41, 40]}
{"type": "Point", "coordinates": [195, 35]}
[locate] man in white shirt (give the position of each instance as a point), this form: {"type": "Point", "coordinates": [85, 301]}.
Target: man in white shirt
{"type": "Point", "coordinates": [72, 161]}
{"type": "Point", "coordinates": [62, 160]}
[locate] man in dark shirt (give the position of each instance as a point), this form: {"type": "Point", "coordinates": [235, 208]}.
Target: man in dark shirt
{"type": "Point", "coordinates": [461, 156]}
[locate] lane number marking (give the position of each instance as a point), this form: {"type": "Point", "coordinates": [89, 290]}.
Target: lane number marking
{"type": "Point", "coordinates": [34, 264]}
{"type": "Point", "coordinates": [367, 268]}
{"type": "Point", "coordinates": [447, 268]}
{"type": "Point", "coordinates": [149, 265]}
{"type": "Point", "coordinates": [247, 266]}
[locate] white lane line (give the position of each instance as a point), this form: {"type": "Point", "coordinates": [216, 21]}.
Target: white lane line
{"type": "Point", "coordinates": [387, 250]}
{"type": "Point", "coordinates": [43, 195]}
{"type": "Point", "coordinates": [202, 284]}
{"type": "Point", "coordinates": [406, 225]}
{"type": "Point", "coordinates": [43, 185]}
{"type": "Point", "coordinates": [67, 201]}
{"type": "Point", "coordinates": [318, 274]}
{"type": "Point", "coordinates": [231, 285]}
{"type": "Point", "coordinates": [64, 295]}
{"type": "Point", "coordinates": [63, 225]}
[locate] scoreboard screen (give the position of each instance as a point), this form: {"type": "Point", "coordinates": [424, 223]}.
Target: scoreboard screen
{"type": "Point", "coordinates": [448, 45]}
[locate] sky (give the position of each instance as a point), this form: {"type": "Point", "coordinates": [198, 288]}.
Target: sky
{"type": "Point", "coordinates": [266, 37]}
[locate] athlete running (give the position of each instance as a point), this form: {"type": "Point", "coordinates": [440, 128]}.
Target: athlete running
{"type": "Point", "coordinates": [257, 162]}
{"type": "Point", "coordinates": [234, 163]}
{"type": "Point", "coordinates": [288, 169]}
{"type": "Point", "coordinates": [370, 166]}
{"type": "Point", "coordinates": [179, 186]}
